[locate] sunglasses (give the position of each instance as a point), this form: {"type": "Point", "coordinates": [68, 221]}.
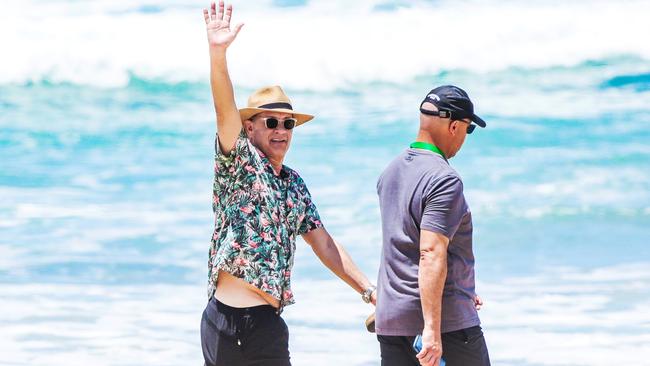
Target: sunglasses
{"type": "Point", "coordinates": [470, 128]}
{"type": "Point", "coordinates": [272, 122]}
{"type": "Point", "coordinates": [447, 114]}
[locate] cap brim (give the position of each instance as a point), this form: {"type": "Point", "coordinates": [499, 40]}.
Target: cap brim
{"type": "Point", "coordinates": [247, 113]}
{"type": "Point", "coordinates": [479, 121]}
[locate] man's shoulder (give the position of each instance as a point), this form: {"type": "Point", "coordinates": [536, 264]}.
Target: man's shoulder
{"type": "Point", "coordinates": [437, 168]}
{"type": "Point", "coordinates": [442, 178]}
{"type": "Point", "coordinates": [414, 164]}
{"type": "Point", "coordinates": [294, 177]}
{"type": "Point", "coordinates": [242, 148]}
{"type": "Point", "coordinates": [447, 172]}
{"type": "Point", "coordinates": [287, 172]}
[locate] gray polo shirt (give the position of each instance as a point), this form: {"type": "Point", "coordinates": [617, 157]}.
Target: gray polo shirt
{"type": "Point", "coordinates": [419, 190]}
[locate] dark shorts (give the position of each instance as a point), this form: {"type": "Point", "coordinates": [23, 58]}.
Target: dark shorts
{"type": "Point", "coordinates": [465, 347]}
{"type": "Point", "coordinates": [255, 336]}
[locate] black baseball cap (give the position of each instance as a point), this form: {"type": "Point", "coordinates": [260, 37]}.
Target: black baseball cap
{"type": "Point", "coordinates": [452, 102]}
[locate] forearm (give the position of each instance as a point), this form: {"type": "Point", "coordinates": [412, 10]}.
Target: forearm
{"type": "Point", "coordinates": [228, 121]}
{"type": "Point", "coordinates": [337, 259]}
{"type": "Point", "coordinates": [431, 279]}
{"type": "Point", "coordinates": [222, 90]}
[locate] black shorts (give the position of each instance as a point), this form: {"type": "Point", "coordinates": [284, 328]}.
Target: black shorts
{"type": "Point", "coordinates": [465, 347]}
{"type": "Point", "coordinates": [255, 336]}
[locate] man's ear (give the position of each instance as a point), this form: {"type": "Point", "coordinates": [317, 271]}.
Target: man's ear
{"type": "Point", "coordinates": [453, 127]}
{"type": "Point", "coordinates": [248, 126]}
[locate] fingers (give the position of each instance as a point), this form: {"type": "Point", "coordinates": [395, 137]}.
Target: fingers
{"type": "Point", "coordinates": [430, 360]}
{"type": "Point", "coordinates": [220, 13]}
{"type": "Point", "coordinates": [213, 11]}
{"type": "Point", "coordinates": [228, 14]}
{"type": "Point", "coordinates": [424, 355]}
{"type": "Point", "coordinates": [206, 16]}
{"type": "Point", "coordinates": [427, 361]}
{"type": "Point", "coordinates": [429, 356]}
{"type": "Point", "coordinates": [478, 302]}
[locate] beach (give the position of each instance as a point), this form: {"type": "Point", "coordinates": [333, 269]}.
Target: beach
{"type": "Point", "coordinates": [106, 166]}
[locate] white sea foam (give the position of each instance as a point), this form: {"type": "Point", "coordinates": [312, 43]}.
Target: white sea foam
{"type": "Point", "coordinates": [580, 318]}
{"type": "Point", "coordinates": [562, 316]}
{"type": "Point", "coordinates": [582, 190]}
{"type": "Point", "coordinates": [322, 45]}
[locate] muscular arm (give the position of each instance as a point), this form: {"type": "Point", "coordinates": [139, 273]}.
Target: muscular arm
{"type": "Point", "coordinates": [220, 36]}
{"type": "Point", "coordinates": [431, 279]}
{"type": "Point", "coordinates": [334, 257]}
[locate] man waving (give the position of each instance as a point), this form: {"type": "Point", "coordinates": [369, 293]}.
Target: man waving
{"type": "Point", "coordinates": [261, 206]}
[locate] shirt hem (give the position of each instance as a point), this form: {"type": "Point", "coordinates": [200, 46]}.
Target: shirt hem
{"type": "Point", "coordinates": [408, 332]}
{"type": "Point", "coordinates": [220, 267]}
{"type": "Point", "coordinates": [397, 332]}
{"type": "Point", "coordinates": [463, 325]}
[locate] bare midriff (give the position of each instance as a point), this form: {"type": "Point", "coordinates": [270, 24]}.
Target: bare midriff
{"type": "Point", "coordinates": [238, 293]}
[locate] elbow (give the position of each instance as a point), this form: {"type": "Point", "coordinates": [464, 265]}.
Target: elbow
{"type": "Point", "coordinates": [426, 256]}
{"type": "Point", "coordinates": [328, 252]}
{"type": "Point", "coordinates": [327, 248]}
{"type": "Point", "coordinates": [432, 254]}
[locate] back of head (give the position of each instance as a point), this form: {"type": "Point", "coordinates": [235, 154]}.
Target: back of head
{"type": "Point", "coordinates": [450, 102]}
{"type": "Point", "coordinates": [446, 117]}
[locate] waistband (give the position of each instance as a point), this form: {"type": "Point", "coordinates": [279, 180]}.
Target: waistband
{"type": "Point", "coordinates": [253, 310]}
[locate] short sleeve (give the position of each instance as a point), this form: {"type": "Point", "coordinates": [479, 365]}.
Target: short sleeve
{"type": "Point", "coordinates": [311, 220]}
{"type": "Point", "coordinates": [242, 153]}
{"type": "Point", "coordinates": [232, 169]}
{"type": "Point", "coordinates": [444, 206]}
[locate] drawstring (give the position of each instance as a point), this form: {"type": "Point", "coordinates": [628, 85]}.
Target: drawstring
{"type": "Point", "coordinates": [243, 324]}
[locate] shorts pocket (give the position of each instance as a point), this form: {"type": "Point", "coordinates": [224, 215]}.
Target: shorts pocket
{"type": "Point", "coordinates": [473, 334]}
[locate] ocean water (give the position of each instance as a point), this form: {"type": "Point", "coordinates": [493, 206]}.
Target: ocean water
{"type": "Point", "coordinates": [106, 158]}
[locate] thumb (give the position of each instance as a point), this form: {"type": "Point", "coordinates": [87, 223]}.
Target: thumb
{"type": "Point", "coordinates": [238, 28]}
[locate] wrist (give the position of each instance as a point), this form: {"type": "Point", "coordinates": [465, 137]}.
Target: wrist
{"type": "Point", "coordinates": [432, 335]}
{"type": "Point", "coordinates": [217, 48]}
{"type": "Point", "coordinates": [366, 295]}
{"type": "Point", "coordinates": [431, 327]}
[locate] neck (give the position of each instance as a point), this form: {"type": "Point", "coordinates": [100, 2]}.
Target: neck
{"type": "Point", "coordinates": [276, 165]}
{"type": "Point", "coordinates": [426, 136]}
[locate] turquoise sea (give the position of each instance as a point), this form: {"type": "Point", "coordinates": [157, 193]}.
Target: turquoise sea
{"type": "Point", "coordinates": [106, 161]}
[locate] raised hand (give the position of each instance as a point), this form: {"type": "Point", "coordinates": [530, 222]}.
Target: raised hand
{"type": "Point", "coordinates": [217, 24]}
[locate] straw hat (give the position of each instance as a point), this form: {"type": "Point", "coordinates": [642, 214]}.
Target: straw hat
{"type": "Point", "coordinates": [271, 98]}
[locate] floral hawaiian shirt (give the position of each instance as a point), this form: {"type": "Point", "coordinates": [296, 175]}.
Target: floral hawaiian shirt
{"type": "Point", "coordinates": [258, 215]}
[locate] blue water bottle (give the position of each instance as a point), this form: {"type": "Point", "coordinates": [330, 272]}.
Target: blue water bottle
{"type": "Point", "coordinates": [417, 346]}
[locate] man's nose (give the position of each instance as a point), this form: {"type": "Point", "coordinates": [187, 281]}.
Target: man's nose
{"type": "Point", "coordinates": [281, 129]}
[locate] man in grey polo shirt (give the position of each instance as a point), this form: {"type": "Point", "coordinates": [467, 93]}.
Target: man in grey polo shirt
{"type": "Point", "coordinates": [426, 273]}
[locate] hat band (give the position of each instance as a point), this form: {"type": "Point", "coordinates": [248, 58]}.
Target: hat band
{"type": "Point", "coordinates": [276, 106]}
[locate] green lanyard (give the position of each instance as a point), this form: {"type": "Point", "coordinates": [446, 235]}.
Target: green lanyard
{"type": "Point", "coordinates": [428, 146]}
